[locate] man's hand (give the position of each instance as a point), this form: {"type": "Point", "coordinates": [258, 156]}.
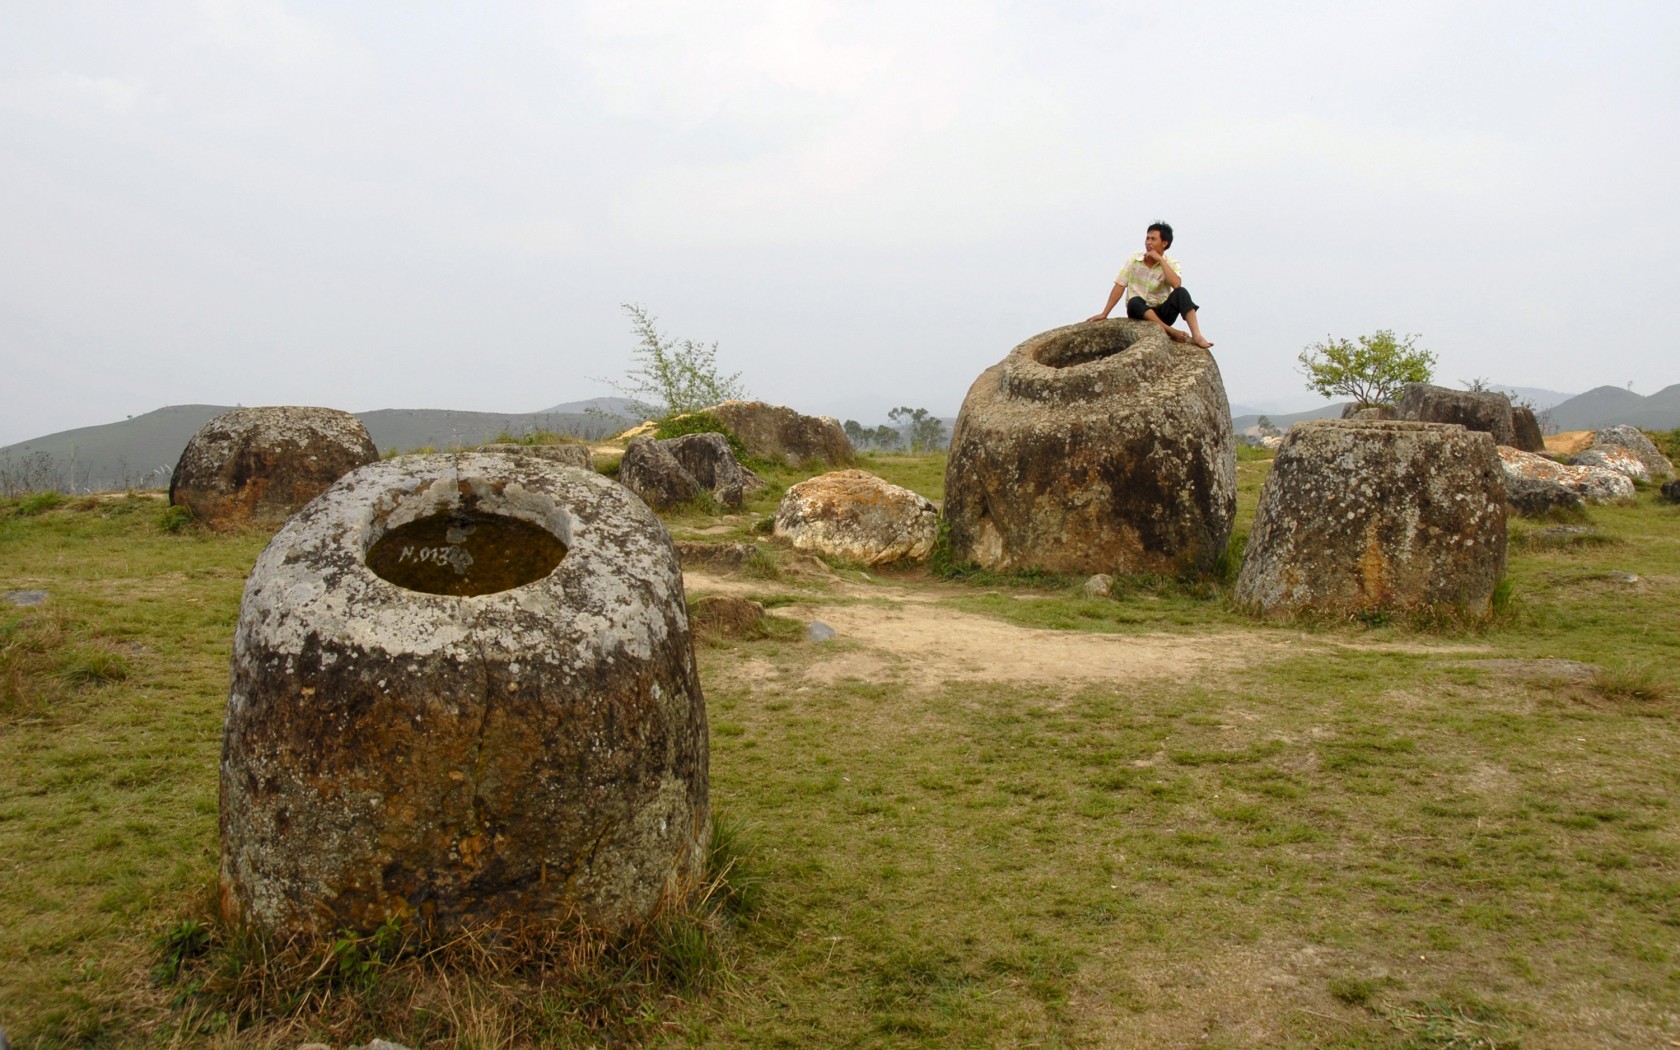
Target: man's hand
{"type": "Point", "coordinates": [1096, 317]}
{"type": "Point", "coordinates": [1153, 258]}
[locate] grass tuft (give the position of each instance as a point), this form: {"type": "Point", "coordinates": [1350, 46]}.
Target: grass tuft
{"type": "Point", "coordinates": [1638, 683]}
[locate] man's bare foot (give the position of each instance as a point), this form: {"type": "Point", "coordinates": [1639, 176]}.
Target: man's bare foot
{"type": "Point", "coordinates": [1175, 335]}
{"type": "Point", "coordinates": [1203, 343]}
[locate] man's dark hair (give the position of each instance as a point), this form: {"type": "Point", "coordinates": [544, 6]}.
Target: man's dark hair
{"type": "Point", "coordinates": [1163, 229]}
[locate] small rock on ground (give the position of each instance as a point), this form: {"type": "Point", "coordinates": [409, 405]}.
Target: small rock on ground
{"type": "Point", "coordinates": [817, 631]}
{"type": "Point", "coordinates": [23, 598]}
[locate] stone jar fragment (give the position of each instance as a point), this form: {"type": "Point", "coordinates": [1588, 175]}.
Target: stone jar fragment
{"type": "Point", "coordinates": [463, 689]}
{"type": "Point", "coordinates": [1358, 516]}
{"type": "Point", "coordinates": [1098, 447]}
{"type": "Point", "coordinates": [256, 465]}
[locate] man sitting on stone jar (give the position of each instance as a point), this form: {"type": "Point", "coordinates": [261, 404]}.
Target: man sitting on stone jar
{"type": "Point", "coordinates": [1151, 284]}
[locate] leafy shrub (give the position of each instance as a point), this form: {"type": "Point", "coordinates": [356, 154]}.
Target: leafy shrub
{"type": "Point", "coordinates": [1371, 372]}
{"type": "Point", "coordinates": [174, 518]}
{"type": "Point", "coordinates": [671, 376]}
{"type": "Point", "coordinates": [699, 423]}
{"type": "Point", "coordinates": [39, 503]}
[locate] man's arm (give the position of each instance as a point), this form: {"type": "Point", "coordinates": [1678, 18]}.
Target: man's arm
{"type": "Point", "coordinates": [1167, 270]}
{"type": "Point", "coordinates": [1113, 300]}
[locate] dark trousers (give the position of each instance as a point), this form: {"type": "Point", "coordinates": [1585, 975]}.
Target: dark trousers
{"type": "Point", "coordinates": [1168, 309]}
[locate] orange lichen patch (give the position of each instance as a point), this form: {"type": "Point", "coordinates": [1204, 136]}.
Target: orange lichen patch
{"type": "Point", "coordinates": [1373, 569]}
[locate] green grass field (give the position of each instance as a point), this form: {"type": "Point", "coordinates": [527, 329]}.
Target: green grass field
{"type": "Point", "coordinates": [993, 812]}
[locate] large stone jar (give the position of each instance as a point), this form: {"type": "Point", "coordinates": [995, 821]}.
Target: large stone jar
{"type": "Point", "coordinates": [255, 465]}
{"type": "Point", "coordinates": [463, 690]}
{"type": "Point", "coordinates": [1097, 447]}
{"type": "Point", "coordinates": [1364, 515]}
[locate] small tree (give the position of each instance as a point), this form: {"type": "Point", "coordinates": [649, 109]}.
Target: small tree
{"type": "Point", "coordinates": [1266, 427]}
{"type": "Point", "coordinates": [1371, 371]}
{"type": "Point", "coordinates": [672, 377]}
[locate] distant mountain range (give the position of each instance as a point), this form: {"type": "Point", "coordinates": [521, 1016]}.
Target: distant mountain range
{"type": "Point", "coordinates": [141, 451]}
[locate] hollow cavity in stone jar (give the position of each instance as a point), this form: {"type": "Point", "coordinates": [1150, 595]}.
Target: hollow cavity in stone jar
{"type": "Point", "coordinates": [1082, 345]}
{"type": "Point", "coordinates": [465, 553]}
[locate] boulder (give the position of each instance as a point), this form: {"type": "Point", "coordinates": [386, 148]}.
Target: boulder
{"type": "Point", "coordinates": [1482, 410]}
{"type": "Point", "coordinates": [1355, 410]}
{"type": "Point", "coordinates": [565, 455]}
{"type": "Point", "coordinates": [261, 465]}
{"type": "Point", "coordinates": [1592, 484]}
{"type": "Point", "coordinates": [1657, 465]}
{"type": "Point", "coordinates": [1360, 515]}
{"type": "Point", "coordinates": [1538, 497]}
{"type": "Point", "coordinates": [672, 472]}
{"type": "Point", "coordinates": [1525, 430]}
{"type": "Point", "coordinates": [1097, 447]}
{"type": "Point", "coordinates": [1624, 461]}
{"type": "Point", "coordinates": [463, 689]}
{"type": "Point", "coordinates": [1272, 442]}
{"type": "Point", "coordinates": [778, 433]}
{"type": "Point", "coordinates": [853, 514]}
{"type": "Point", "coordinates": [1671, 491]}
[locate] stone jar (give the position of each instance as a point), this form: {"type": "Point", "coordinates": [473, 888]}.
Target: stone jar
{"type": "Point", "coordinates": [258, 465]}
{"type": "Point", "coordinates": [1358, 516]}
{"type": "Point", "coordinates": [463, 690]}
{"type": "Point", "coordinates": [1098, 447]}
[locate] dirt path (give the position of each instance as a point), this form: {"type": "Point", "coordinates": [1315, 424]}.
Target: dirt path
{"type": "Point", "coordinates": [906, 635]}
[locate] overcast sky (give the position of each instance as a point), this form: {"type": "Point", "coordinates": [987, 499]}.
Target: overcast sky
{"type": "Point", "coordinates": [375, 205]}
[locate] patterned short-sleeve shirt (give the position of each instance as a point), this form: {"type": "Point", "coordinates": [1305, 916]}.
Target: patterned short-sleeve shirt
{"type": "Point", "coordinates": [1138, 278]}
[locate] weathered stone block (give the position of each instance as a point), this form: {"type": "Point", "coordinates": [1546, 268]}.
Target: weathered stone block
{"type": "Point", "coordinates": [1482, 410]}
{"type": "Point", "coordinates": [1657, 465]}
{"type": "Point", "coordinates": [1365, 515]}
{"type": "Point", "coordinates": [1525, 430]}
{"type": "Point", "coordinates": [1592, 484]}
{"type": "Point", "coordinates": [853, 514]}
{"type": "Point", "coordinates": [1097, 447]}
{"type": "Point", "coordinates": [776, 432]}
{"type": "Point", "coordinates": [463, 688]}
{"type": "Point", "coordinates": [668, 473]}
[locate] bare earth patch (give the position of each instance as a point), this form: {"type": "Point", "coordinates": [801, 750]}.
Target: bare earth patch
{"type": "Point", "coordinates": [905, 634]}
{"type": "Point", "coordinates": [943, 645]}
